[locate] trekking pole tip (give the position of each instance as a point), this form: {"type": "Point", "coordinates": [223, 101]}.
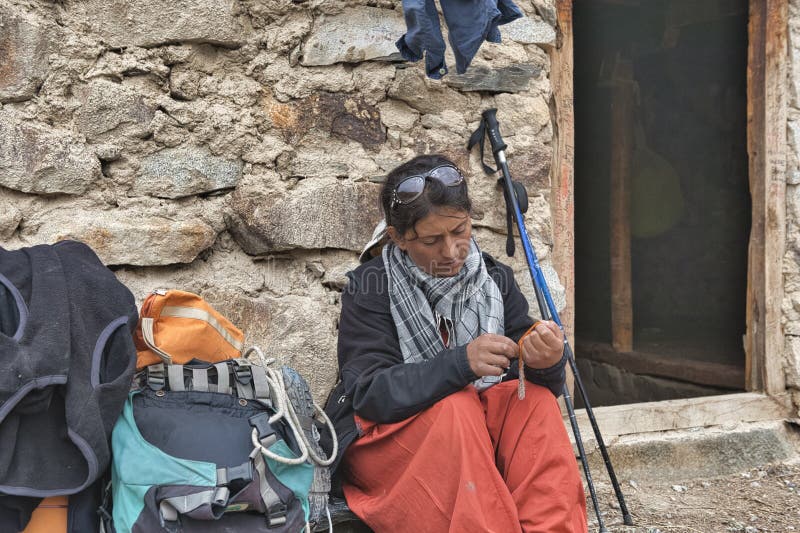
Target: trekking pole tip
{"type": "Point", "coordinates": [626, 518]}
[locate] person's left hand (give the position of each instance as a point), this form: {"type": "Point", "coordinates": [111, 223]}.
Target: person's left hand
{"type": "Point", "coordinates": [544, 346]}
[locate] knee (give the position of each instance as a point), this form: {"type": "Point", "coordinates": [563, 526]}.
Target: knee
{"type": "Point", "coordinates": [462, 404]}
{"type": "Point", "coordinates": [541, 400]}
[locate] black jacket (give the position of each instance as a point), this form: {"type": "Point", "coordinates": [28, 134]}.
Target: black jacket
{"type": "Point", "coordinates": [66, 362]}
{"type": "Point", "coordinates": [373, 379]}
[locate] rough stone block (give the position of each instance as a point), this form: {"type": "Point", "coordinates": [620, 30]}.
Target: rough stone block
{"type": "Point", "coordinates": [126, 236]}
{"type": "Point", "coordinates": [36, 158]}
{"type": "Point", "coordinates": [522, 113]}
{"type": "Point", "coordinates": [531, 166]}
{"type": "Point", "coordinates": [794, 62]}
{"type": "Point", "coordinates": [299, 331]}
{"type": "Point", "coordinates": [349, 117]}
{"type": "Point", "coordinates": [690, 454]}
{"type": "Point", "coordinates": [529, 30]}
{"type": "Point", "coordinates": [792, 362]}
{"type": "Point", "coordinates": [793, 137]}
{"type": "Point", "coordinates": [511, 79]}
{"type": "Point", "coordinates": [546, 10]}
{"type": "Point", "coordinates": [329, 215]}
{"type": "Point", "coordinates": [185, 171]}
{"type": "Point", "coordinates": [331, 160]}
{"type": "Point", "coordinates": [333, 113]}
{"type": "Point", "coordinates": [266, 151]}
{"type": "Point", "coordinates": [353, 36]}
{"type": "Point", "coordinates": [25, 43]}
{"type": "Point", "coordinates": [10, 217]}
{"type": "Point", "coordinates": [395, 114]}
{"type": "Point", "coordinates": [427, 96]}
{"type": "Point", "coordinates": [289, 82]}
{"type": "Point", "coordinates": [108, 107]}
{"type": "Point", "coordinates": [151, 23]}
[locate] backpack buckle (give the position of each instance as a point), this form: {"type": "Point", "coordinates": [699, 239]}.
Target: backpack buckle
{"type": "Point", "coordinates": [156, 377]}
{"type": "Point", "coordinates": [276, 516]}
{"type": "Point", "coordinates": [266, 433]}
{"type": "Point", "coordinates": [240, 474]}
{"type": "Point", "coordinates": [243, 373]}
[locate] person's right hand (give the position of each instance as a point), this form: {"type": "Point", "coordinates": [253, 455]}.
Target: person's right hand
{"type": "Point", "coordinates": [490, 354]}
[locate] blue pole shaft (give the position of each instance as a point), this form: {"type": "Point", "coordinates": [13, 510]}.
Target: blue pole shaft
{"type": "Point", "coordinates": [548, 311]}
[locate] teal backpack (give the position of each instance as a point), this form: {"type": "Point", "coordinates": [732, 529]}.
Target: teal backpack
{"type": "Point", "coordinates": [227, 447]}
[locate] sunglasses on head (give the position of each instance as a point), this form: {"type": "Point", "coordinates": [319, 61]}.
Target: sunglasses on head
{"type": "Point", "coordinates": [411, 188]}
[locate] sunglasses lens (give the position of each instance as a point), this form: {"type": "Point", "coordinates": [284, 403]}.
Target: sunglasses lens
{"type": "Point", "coordinates": [447, 175]}
{"type": "Point", "coordinates": [410, 189]}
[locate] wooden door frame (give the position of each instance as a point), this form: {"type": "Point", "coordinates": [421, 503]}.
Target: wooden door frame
{"type": "Point", "coordinates": [766, 145]}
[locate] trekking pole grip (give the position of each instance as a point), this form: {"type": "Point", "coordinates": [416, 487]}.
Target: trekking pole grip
{"type": "Point", "coordinates": [493, 129]}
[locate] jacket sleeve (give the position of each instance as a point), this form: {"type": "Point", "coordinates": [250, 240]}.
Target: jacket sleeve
{"type": "Point", "coordinates": [517, 322]}
{"type": "Point", "coordinates": [384, 389]}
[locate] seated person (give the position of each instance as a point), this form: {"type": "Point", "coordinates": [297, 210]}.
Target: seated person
{"type": "Point", "coordinates": [432, 435]}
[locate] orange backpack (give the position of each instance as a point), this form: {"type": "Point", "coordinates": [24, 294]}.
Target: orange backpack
{"type": "Point", "coordinates": [49, 517]}
{"type": "Point", "coordinates": [177, 326]}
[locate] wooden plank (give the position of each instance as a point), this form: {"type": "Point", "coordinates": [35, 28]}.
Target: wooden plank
{"type": "Point", "coordinates": [563, 173]}
{"type": "Point", "coordinates": [620, 236]}
{"type": "Point", "coordinates": [766, 145]}
{"type": "Point", "coordinates": [563, 170]}
{"type": "Point", "coordinates": [684, 369]}
{"type": "Point", "coordinates": [618, 420]}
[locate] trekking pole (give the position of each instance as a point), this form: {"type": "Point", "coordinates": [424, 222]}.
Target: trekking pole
{"type": "Point", "coordinates": [490, 127]}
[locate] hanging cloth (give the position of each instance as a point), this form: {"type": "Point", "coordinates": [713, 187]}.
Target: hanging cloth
{"type": "Point", "coordinates": [657, 203]}
{"type": "Point", "coordinates": [469, 24]}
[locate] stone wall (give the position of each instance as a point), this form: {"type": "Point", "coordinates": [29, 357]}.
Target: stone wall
{"type": "Point", "coordinates": [235, 148]}
{"type": "Point", "coordinates": [791, 264]}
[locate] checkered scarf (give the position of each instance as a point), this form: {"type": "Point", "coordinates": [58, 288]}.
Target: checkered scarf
{"type": "Point", "coordinates": [470, 301]}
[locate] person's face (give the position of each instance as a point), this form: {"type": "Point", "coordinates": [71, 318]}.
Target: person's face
{"type": "Point", "coordinates": [439, 243]}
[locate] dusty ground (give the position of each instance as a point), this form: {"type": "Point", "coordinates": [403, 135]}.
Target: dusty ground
{"type": "Point", "coordinates": [762, 499]}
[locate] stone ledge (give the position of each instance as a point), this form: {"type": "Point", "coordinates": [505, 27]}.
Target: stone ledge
{"type": "Point", "coordinates": [681, 455]}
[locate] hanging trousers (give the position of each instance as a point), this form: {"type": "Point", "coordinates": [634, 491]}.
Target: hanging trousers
{"type": "Point", "coordinates": [472, 462]}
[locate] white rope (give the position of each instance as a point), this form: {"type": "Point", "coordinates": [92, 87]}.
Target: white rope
{"type": "Point", "coordinates": [282, 407]}
{"type": "Point", "coordinates": [330, 521]}
{"type": "Point", "coordinates": [285, 409]}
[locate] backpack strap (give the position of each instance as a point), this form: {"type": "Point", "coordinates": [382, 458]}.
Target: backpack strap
{"type": "Point", "coordinates": [148, 325]}
{"type": "Point", "coordinates": [276, 510]}
{"type": "Point", "coordinates": [200, 379]}
{"type": "Point", "coordinates": [223, 378]}
{"type": "Point", "coordinates": [175, 374]}
{"type": "Point", "coordinates": [261, 386]}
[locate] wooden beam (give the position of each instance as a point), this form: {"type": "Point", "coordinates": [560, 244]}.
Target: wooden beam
{"type": "Point", "coordinates": [622, 102]}
{"type": "Point", "coordinates": [766, 146]}
{"type": "Point", "coordinates": [652, 364]}
{"type": "Point", "coordinates": [562, 198]}
{"type": "Point", "coordinates": [618, 420]}
{"type": "Point", "coordinates": [563, 169]}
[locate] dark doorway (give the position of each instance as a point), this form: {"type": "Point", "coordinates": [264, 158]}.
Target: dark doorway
{"type": "Point", "coordinates": [660, 98]}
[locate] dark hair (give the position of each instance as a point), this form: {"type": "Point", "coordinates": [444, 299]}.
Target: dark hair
{"type": "Point", "coordinates": [405, 216]}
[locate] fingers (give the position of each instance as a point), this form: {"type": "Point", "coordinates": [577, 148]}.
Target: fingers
{"type": "Point", "coordinates": [485, 369]}
{"type": "Point", "coordinates": [500, 345]}
{"type": "Point", "coordinates": [490, 355]}
{"type": "Point", "coordinates": [544, 346]}
{"type": "Point", "coordinates": [498, 361]}
{"type": "Point", "coordinates": [548, 331]}
{"type": "Point", "coordinates": [535, 344]}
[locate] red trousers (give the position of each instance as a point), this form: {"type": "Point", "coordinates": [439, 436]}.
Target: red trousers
{"type": "Point", "coordinates": [472, 462]}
